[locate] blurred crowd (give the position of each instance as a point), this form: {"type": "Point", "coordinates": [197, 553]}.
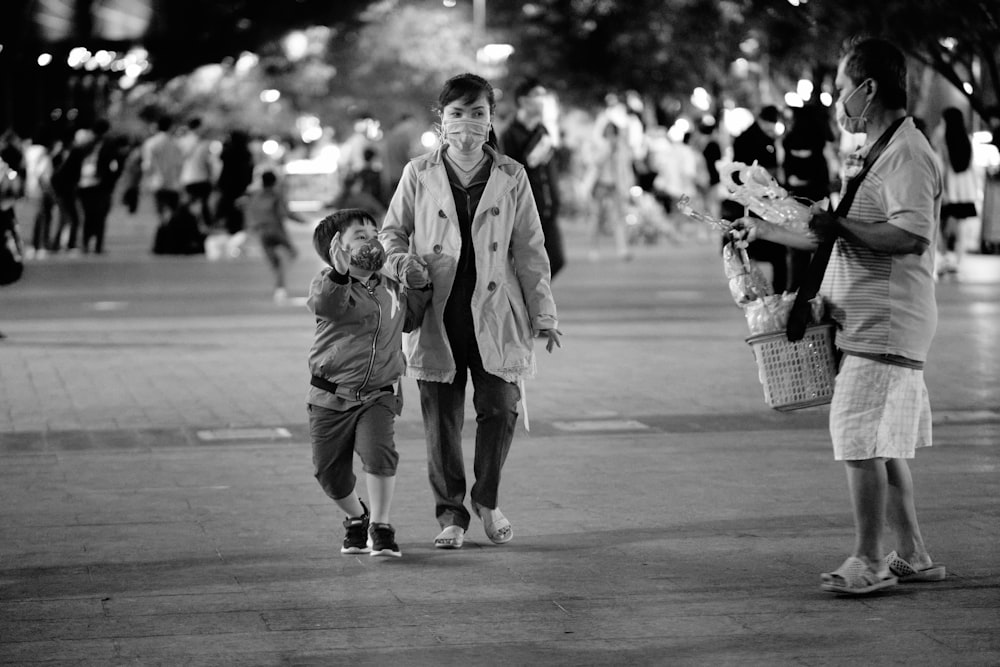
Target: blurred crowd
{"type": "Point", "coordinates": [614, 173]}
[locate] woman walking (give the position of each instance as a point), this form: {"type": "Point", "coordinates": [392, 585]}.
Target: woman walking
{"type": "Point", "coordinates": [464, 220]}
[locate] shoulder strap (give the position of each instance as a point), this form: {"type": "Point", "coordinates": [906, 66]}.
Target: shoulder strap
{"type": "Point", "coordinates": [798, 318]}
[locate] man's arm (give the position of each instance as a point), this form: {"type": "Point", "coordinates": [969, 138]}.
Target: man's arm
{"type": "Point", "coordinates": [882, 237]}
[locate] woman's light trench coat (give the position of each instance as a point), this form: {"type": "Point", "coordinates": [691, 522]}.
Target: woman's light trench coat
{"type": "Point", "coordinates": [512, 300]}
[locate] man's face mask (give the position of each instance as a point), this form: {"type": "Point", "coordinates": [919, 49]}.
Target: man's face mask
{"type": "Point", "coordinates": [369, 256]}
{"type": "Point", "coordinates": [852, 124]}
{"type": "Point", "coordinates": [465, 135]}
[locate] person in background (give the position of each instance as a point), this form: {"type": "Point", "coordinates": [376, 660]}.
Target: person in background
{"type": "Point", "coordinates": [528, 141]}
{"type": "Point", "coordinates": [401, 144]}
{"type": "Point", "coordinates": [611, 177]}
{"type": "Point", "coordinates": [961, 189]}
{"type": "Point", "coordinates": [197, 171]}
{"type": "Point", "coordinates": [758, 143]}
{"type": "Point", "coordinates": [235, 177]}
{"type": "Point", "coordinates": [99, 171]}
{"type": "Point", "coordinates": [265, 210]}
{"type": "Point", "coordinates": [463, 219]}
{"type": "Point", "coordinates": [39, 195]}
{"type": "Point", "coordinates": [806, 171]}
{"type": "Point", "coordinates": [162, 161]}
{"type": "Point", "coordinates": [879, 289]}
{"type": "Point", "coordinates": [67, 164]}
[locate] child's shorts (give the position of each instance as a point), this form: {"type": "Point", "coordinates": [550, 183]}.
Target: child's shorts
{"type": "Point", "coordinates": [878, 411]}
{"type": "Point", "coordinates": [367, 430]}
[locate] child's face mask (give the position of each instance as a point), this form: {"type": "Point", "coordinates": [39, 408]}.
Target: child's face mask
{"type": "Point", "coordinates": [465, 135]}
{"type": "Point", "coordinates": [368, 256]}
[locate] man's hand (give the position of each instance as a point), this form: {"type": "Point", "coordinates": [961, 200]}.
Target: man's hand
{"type": "Point", "coordinates": [340, 256]}
{"type": "Point", "coordinates": [824, 224]}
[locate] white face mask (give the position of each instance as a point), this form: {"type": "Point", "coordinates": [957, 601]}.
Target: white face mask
{"type": "Point", "coordinates": [852, 124]}
{"type": "Point", "coordinates": [465, 136]}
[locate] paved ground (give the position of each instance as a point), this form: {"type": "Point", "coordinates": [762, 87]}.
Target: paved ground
{"type": "Point", "coordinates": [157, 505]}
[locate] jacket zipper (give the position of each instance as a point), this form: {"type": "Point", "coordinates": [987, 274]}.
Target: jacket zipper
{"type": "Point", "coordinates": [378, 328]}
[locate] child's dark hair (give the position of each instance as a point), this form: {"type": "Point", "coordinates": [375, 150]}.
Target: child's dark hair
{"type": "Point", "coordinates": [268, 178]}
{"type": "Point", "coordinates": [338, 221]}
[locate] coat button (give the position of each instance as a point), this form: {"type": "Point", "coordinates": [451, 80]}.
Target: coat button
{"type": "Point", "coordinates": [495, 246]}
{"type": "Point", "coordinates": [492, 286]}
{"type": "Point", "coordinates": [441, 214]}
{"type": "Point", "coordinates": [496, 210]}
{"type": "Point", "coordinates": [438, 248]}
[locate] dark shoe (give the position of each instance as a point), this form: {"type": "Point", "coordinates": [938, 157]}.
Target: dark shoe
{"type": "Point", "coordinates": [382, 540]}
{"type": "Point", "coordinates": [356, 539]}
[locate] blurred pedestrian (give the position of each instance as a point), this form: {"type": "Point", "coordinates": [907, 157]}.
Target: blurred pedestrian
{"type": "Point", "coordinates": [99, 171]}
{"type": "Point", "coordinates": [806, 171]}
{"type": "Point", "coordinates": [402, 144]}
{"type": "Point", "coordinates": [235, 177]}
{"type": "Point", "coordinates": [266, 210]}
{"type": "Point", "coordinates": [528, 141]}
{"type": "Point", "coordinates": [463, 218]}
{"type": "Point", "coordinates": [162, 161]}
{"type": "Point", "coordinates": [961, 189]}
{"type": "Point", "coordinates": [879, 289]}
{"type": "Point", "coordinates": [39, 195]}
{"type": "Point", "coordinates": [355, 362]}
{"type": "Point", "coordinates": [131, 177]}
{"type": "Point", "coordinates": [11, 189]}
{"type": "Point", "coordinates": [67, 165]}
{"type": "Point", "coordinates": [758, 143]}
{"type": "Point", "coordinates": [611, 178]}
{"type": "Point", "coordinates": [197, 171]}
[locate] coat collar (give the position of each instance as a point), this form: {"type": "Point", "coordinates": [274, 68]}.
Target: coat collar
{"type": "Point", "coordinates": [435, 179]}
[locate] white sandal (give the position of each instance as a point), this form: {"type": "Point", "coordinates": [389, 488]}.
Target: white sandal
{"type": "Point", "coordinates": [854, 577]}
{"type": "Point", "coordinates": [452, 537]}
{"type": "Point", "coordinates": [496, 525]}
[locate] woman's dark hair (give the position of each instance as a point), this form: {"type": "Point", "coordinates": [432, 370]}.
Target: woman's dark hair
{"type": "Point", "coordinates": [882, 62]}
{"type": "Point", "coordinates": [338, 221]}
{"type": "Point", "coordinates": [957, 140]}
{"type": "Point", "coordinates": [467, 88]}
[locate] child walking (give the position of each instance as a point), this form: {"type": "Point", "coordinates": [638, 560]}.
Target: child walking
{"type": "Point", "coordinates": [355, 361]}
{"type": "Point", "coordinates": [265, 211]}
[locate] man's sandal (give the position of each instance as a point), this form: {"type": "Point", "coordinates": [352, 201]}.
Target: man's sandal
{"type": "Point", "coordinates": [452, 537]}
{"type": "Point", "coordinates": [854, 577]}
{"type": "Point", "coordinates": [907, 573]}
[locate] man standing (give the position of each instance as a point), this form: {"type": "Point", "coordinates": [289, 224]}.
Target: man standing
{"type": "Point", "coordinates": [527, 141]}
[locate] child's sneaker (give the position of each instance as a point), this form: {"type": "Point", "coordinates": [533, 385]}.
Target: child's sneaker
{"type": "Point", "coordinates": [356, 539]}
{"type": "Point", "coordinates": [382, 540]}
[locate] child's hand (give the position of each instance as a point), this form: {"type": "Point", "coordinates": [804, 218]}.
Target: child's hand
{"type": "Point", "coordinates": [340, 256]}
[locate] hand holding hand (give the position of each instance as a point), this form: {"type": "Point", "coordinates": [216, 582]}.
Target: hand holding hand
{"type": "Point", "coordinates": [553, 336]}
{"type": "Point", "coordinates": [414, 273]}
{"type": "Point", "coordinates": [340, 256]}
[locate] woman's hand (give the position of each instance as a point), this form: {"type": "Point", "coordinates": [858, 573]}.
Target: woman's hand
{"type": "Point", "coordinates": [553, 338]}
{"type": "Point", "coordinates": [413, 272]}
{"type": "Point", "coordinates": [340, 256]}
